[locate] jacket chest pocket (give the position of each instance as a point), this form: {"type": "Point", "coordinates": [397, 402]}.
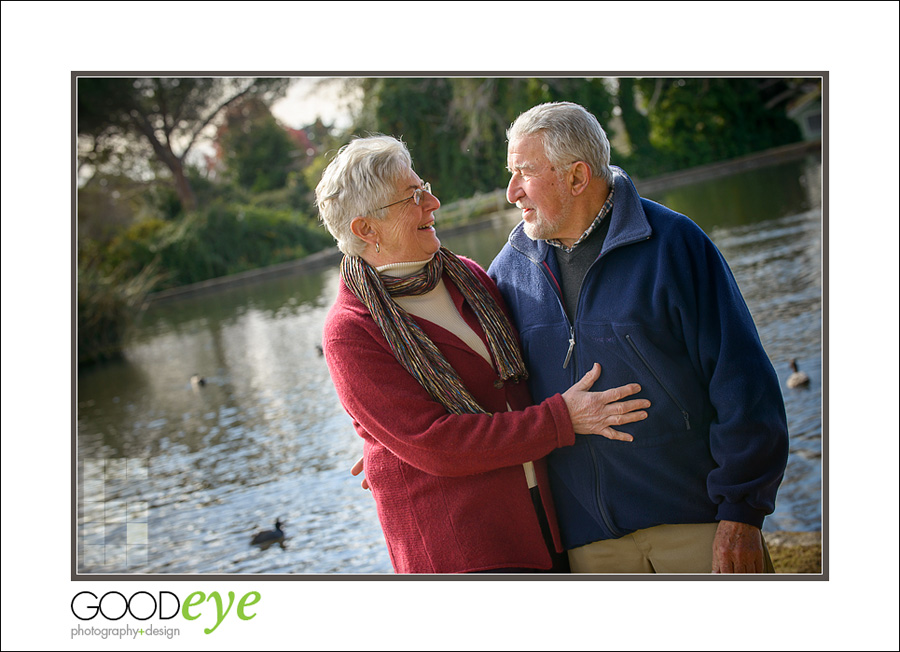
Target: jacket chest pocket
{"type": "Point", "coordinates": [679, 405]}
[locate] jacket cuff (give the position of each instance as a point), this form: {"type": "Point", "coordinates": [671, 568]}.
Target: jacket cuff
{"type": "Point", "coordinates": [740, 513]}
{"type": "Point", "coordinates": [564, 428]}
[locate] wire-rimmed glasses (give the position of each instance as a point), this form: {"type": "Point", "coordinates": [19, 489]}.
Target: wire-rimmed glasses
{"type": "Point", "coordinates": [416, 196]}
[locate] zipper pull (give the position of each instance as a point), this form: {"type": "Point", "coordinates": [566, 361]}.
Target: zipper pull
{"type": "Point", "coordinates": [571, 347]}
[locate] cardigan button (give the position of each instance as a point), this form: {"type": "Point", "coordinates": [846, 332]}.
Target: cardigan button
{"type": "Point", "coordinates": [498, 384]}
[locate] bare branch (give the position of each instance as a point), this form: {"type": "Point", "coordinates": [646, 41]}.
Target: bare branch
{"type": "Point", "coordinates": [164, 110]}
{"type": "Point", "coordinates": [657, 91]}
{"type": "Point", "coordinates": [213, 115]}
{"type": "Point", "coordinates": [143, 125]}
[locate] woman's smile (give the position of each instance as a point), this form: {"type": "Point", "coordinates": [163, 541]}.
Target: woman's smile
{"type": "Point", "coordinates": [407, 233]}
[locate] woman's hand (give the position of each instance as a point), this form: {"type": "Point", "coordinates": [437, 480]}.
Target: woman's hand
{"type": "Point", "coordinates": [357, 469]}
{"type": "Point", "coordinates": [596, 412]}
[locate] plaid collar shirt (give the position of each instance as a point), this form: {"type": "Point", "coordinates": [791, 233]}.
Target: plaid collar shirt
{"type": "Point", "coordinates": [604, 211]}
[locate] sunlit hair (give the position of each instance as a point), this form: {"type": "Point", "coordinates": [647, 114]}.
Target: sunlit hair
{"type": "Point", "coordinates": [569, 133]}
{"type": "Point", "coordinates": [362, 176]}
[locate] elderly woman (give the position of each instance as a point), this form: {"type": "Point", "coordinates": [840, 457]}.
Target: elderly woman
{"type": "Point", "coordinates": [426, 362]}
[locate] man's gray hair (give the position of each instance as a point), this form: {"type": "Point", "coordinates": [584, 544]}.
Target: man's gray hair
{"type": "Point", "coordinates": [569, 133]}
{"type": "Point", "coordinates": [361, 177]}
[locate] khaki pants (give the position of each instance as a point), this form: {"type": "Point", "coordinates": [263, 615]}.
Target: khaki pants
{"type": "Point", "coordinates": [683, 548]}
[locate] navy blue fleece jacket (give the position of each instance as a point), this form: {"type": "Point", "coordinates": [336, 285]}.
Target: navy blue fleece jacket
{"type": "Point", "coordinates": [660, 307]}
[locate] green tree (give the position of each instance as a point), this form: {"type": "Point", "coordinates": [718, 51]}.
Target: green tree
{"type": "Point", "coordinates": [257, 150]}
{"type": "Point", "coordinates": [126, 123]}
{"type": "Point", "coordinates": [416, 110]}
{"type": "Point", "coordinates": [694, 121]}
{"type": "Point", "coordinates": [636, 125]}
{"type": "Point", "coordinates": [456, 127]}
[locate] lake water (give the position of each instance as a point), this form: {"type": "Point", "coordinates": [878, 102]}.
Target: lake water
{"type": "Point", "coordinates": [175, 478]}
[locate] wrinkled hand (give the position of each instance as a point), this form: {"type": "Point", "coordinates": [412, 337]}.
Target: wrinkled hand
{"type": "Point", "coordinates": [596, 412]}
{"type": "Point", "coordinates": [356, 470]}
{"type": "Point", "coordinates": [737, 548]}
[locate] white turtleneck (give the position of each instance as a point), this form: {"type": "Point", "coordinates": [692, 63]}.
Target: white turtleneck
{"type": "Point", "coordinates": [437, 307]}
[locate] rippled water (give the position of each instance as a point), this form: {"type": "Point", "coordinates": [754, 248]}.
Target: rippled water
{"type": "Point", "coordinates": [176, 478]}
{"type": "Point", "coordinates": [264, 438]}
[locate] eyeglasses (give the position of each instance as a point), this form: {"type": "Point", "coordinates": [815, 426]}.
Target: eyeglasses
{"type": "Point", "coordinates": [416, 196]}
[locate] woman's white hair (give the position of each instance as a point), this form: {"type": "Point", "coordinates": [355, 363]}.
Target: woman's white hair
{"type": "Point", "coordinates": [569, 133]}
{"type": "Point", "coordinates": [362, 176]}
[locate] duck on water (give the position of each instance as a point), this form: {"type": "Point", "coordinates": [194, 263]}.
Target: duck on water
{"type": "Point", "coordinates": [798, 378]}
{"type": "Point", "coordinates": [266, 538]}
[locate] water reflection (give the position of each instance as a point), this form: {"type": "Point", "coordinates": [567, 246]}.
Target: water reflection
{"type": "Point", "coordinates": [749, 197]}
{"type": "Point", "coordinates": [178, 478]}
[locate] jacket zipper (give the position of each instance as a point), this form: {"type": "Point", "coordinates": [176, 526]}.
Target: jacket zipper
{"type": "Point", "coordinates": [546, 272]}
{"type": "Point", "coordinates": [571, 346]}
{"type": "Point", "coordinates": [607, 522]}
{"type": "Point", "coordinates": [684, 414]}
{"type": "Point", "coordinates": [603, 514]}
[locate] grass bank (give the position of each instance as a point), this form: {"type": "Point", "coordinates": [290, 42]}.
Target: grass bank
{"type": "Point", "coordinates": [795, 552]}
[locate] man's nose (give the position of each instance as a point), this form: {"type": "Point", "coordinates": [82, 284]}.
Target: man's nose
{"type": "Point", "coordinates": [513, 190]}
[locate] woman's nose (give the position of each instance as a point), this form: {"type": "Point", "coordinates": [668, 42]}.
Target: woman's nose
{"type": "Point", "coordinates": [431, 199]}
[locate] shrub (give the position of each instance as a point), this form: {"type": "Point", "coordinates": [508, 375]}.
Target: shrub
{"type": "Point", "coordinates": [113, 281]}
{"type": "Point", "coordinates": [226, 239]}
{"type": "Point", "coordinates": [107, 306]}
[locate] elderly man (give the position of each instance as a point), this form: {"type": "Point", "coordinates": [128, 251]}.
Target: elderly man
{"type": "Point", "coordinates": [596, 273]}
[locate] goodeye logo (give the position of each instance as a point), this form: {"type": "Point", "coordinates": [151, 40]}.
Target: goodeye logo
{"type": "Point", "coordinates": [143, 606]}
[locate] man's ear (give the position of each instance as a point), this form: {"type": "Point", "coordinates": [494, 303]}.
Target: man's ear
{"type": "Point", "coordinates": [579, 177]}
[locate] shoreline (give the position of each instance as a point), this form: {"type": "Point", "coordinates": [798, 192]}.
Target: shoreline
{"type": "Point", "coordinates": [796, 552]}
{"type": "Point", "coordinates": [331, 256]}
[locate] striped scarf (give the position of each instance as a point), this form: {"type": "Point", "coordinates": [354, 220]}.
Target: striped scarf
{"type": "Point", "coordinates": [412, 347]}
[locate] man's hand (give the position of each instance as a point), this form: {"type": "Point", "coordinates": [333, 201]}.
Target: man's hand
{"type": "Point", "coordinates": [357, 469]}
{"type": "Point", "coordinates": [737, 548]}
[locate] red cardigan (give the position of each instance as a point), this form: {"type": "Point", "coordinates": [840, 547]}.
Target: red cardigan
{"type": "Point", "coordinates": [450, 489]}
